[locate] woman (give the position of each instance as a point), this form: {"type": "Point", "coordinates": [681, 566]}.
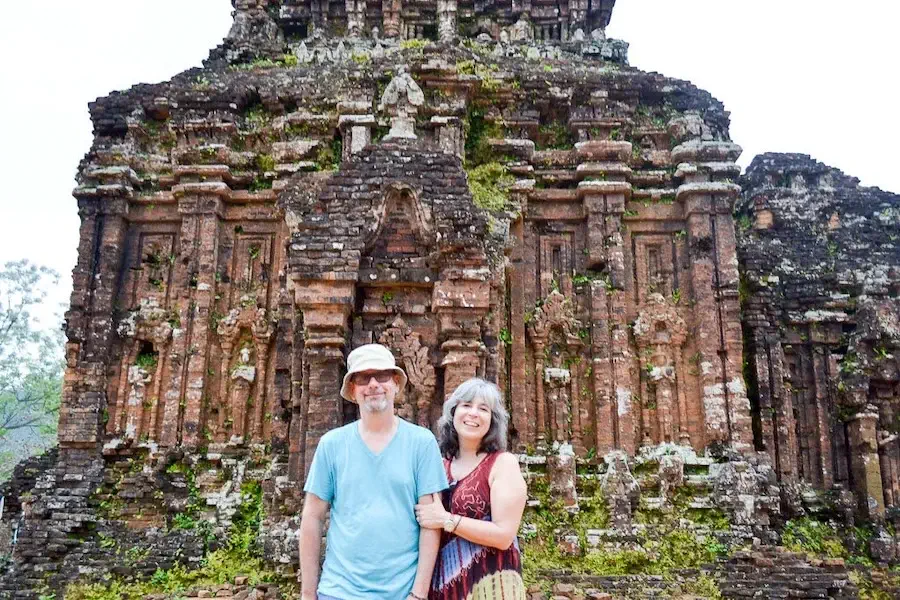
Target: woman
{"type": "Point", "coordinates": [481, 511]}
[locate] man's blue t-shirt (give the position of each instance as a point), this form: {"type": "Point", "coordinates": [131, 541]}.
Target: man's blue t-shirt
{"type": "Point", "coordinates": [372, 547]}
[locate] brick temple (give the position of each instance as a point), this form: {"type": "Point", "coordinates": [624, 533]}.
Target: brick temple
{"type": "Point", "coordinates": [488, 190]}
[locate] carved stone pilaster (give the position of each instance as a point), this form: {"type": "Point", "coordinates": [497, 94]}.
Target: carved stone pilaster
{"type": "Point", "coordinates": [390, 11]}
{"type": "Point", "coordinates": [708, 206]}
{"type": "Point", "coordinates": [865, 463]}
{"type": "Point", "coordinates": [356, 16]}
{"type": "Point", "coordinates": [460, 305]}
{"type": "Point", "coordinates": [201, 206]}
{"type": "Point", "coordinates": [326, 306]}
{"type": "Point", "coordinates": [604, 203]}
{"type": "Point", "coordinates": [103, 210]}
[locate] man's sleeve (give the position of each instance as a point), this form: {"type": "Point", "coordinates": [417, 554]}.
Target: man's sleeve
{"type": "Point", "coordinates": [430, 476]}
{"type": "Point", "coordinates": [320, 480]}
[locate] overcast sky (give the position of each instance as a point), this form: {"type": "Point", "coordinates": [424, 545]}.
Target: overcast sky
{"type": "Point", "coordinates": [811, 76]}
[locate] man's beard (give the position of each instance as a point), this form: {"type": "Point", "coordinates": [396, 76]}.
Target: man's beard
{"type": "Point", "coordinates": [376, 405]}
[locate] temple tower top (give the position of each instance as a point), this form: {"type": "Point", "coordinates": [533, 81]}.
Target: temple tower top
{"type": "Point", "coordinates": [260, 24]}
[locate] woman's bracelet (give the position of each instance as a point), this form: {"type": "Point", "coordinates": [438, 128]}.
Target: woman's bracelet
{"type": "Point", "coordinates": [458, 520]}
{"type": "Point", "coordinates": [415, 597]}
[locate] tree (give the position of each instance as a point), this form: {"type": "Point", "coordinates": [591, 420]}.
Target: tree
{"type": "Point", "coordinates": [31, 362]}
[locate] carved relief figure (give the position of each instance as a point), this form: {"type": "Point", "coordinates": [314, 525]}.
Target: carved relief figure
{"type": "Point", "coordinates": [660, 332]}
{"type": "Point", "coordinates": [413, 356]}
{"type": "Point", "coordinates": [553, 331]}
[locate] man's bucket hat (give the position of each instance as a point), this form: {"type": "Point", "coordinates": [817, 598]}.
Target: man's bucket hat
{"type": "Point", "coordinates": [371, 357]}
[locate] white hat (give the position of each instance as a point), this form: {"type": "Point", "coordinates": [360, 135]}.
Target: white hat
{"type": "Point", "coordinates": [371, 357]}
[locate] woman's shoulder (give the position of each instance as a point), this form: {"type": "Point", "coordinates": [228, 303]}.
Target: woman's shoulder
{"type": "Point", "coordinates": [505, 462]}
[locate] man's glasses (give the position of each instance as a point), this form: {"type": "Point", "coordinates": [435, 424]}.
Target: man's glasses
{"type": "Point", "coordinates": [365, 378]}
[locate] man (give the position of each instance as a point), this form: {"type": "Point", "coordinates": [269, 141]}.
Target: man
{"type": "Point", "coordinates": [371, 473]}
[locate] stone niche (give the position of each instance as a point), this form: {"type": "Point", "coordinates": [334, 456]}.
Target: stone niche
{"type": "Point", "coordinates": [819, 256]}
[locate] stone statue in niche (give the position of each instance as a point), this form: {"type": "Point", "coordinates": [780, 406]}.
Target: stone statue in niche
{"type": "Point", "coordinates": [557, 379]}
{"type": "Point", "coordinates": [412, 355]}
{"type": "Point", "coordinates": [553, 331]}
{"type": "Point", "coordinates": [149, 326]}
{"type": "Point", "coordinates": [401, 100]}
{"type": "Point", "coordinates": [241, 396]}
{"type": "Point", "coordinates": [138, 378]}
{"type": "Point", "coordinates": [242, 377]}
{"type": "Point", "coordinates": [660, 333]}
{"type": "Point", "coordinates": [521, 30]}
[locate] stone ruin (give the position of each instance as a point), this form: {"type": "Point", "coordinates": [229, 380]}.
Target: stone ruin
{"type": "Point", "coordinates": [821, 276]}
{"type": "Point", "coordinates": [490, 190]}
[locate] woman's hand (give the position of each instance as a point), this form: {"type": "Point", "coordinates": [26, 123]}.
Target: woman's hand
{"type": "Point", "coordinates": [432, 516]}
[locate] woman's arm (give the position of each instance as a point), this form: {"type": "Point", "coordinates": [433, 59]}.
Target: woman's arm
{"type": "Point", "coordinates": [508, 495]}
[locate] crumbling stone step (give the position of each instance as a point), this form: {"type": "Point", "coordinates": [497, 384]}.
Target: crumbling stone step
{"type": "Point", "coordinates": [239, 590]}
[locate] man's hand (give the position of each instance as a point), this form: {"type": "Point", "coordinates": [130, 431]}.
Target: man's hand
{"type": "Point", "coordinates": [311, 524]}
{"type": "Point", "coordinates": [429, 541]}
{"type": "Point", "coordinates": [433, 515]}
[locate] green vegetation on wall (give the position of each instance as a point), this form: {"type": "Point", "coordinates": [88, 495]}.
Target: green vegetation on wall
{"type": "Point", "coordinates": [240, 555]}
{"type": "Point", "coordinates": [478, 131]}
{"type": "Point", "coordinates": [668, 547]}
{"type": "Point", "coordinates": [489, 184]}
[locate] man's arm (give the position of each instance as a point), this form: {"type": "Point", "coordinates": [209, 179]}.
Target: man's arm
{"type": "Point", "coordinates": [429, 542]}
{"type": "Point", "coordinates": [311, 524]}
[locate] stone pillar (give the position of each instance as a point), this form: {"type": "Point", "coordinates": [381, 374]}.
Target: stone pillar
{"type": "Point", "coordinates": [460, 305]}
{"type": "Point", "coordinates": [604, 203]}
{"type": "Point", "coordinates": [820, 354]}
{"type": "Point", "coordinates": [622, 358]}
{"type": "Point", "coordinates": [326, 306]}
{"type": "Point", "coordinates": [577, 14]}
{"type": "Point", "coordinates": [561, 470]}
{"type": "Point", "coordinates": [865, 463]}
{"type": "Point", "coordinates": [449, 134]}
{"type": "Point", "coordinates": [520, 415]}
{"type": "Point", "coordinates": [540, 413]}
{"type": "Point", "coordinates": [355, 127]}
{"type": "Point", "coordinates": [262, 330]}
{"type": "Point", "coordinates": [710, 230]}
{"type": "Point", "coordinates": [446, 12]}
{"type": "Point", "coordinates": [202, 208]}
{"type": "Point", "coordinates": [356, 16]}
{"type": "Point", "coordinates": [602, 369]}
{"type": "Point", "coordinates": [390, 12]}
{"type": "Point", "coordinates": [103, 212]}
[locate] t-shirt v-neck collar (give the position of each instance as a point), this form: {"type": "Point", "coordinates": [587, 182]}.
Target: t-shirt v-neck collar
{"type": "Point", "coordinates": [384, 450]}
